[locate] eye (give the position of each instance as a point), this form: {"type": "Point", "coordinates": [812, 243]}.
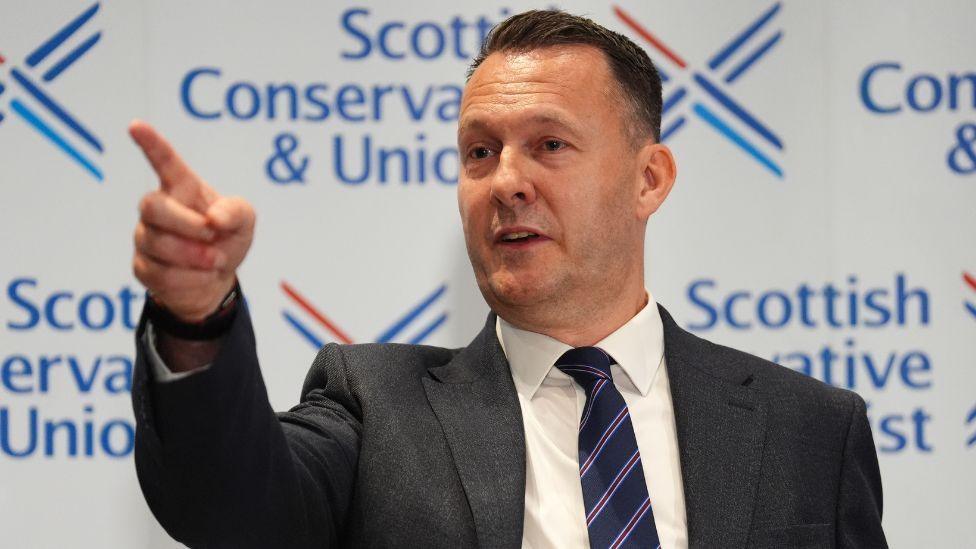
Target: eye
{"type": "Point", "coordinates": [553, 145]}
{"type": "Point", "coordinates": [480, 153]}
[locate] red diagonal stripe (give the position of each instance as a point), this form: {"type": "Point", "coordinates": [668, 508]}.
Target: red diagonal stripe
{"type": "Point", "coordinates": [2, 60]}
{"type": "Point", "coordinates": [612, 488]}
{"type": "Point", "coordinates": [603, 439]}
{"type": "Point", "coordinates": [630, 525]}
{"type": "Point", "coordinates": [651, 39]}
{"type": "Point", "coordinates": [969, 279]}
{"type": "Point", "coordinates": [304, 304]}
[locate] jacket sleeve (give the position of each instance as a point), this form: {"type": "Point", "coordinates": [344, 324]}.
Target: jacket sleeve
{"type": "Point", "coordinates": [219, 468]}
{"type": "Point", "coordinates": [859, 494]}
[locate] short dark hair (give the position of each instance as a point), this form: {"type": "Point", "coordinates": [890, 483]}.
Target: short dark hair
{"type": "Point", "coordinates": [638, 80]}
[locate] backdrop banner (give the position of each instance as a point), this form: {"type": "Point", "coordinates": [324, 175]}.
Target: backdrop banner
{"type": "Point", "coordinates": [824, 215]}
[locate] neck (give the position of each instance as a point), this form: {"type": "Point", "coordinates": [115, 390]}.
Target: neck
{"type": "Point", "coordinates": [584, 325]}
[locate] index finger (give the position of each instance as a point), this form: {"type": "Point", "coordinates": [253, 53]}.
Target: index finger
{"type": "Point", "coordinates": [175, 176]}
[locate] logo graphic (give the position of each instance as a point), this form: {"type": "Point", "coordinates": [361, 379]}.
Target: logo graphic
{"type": "Point", "coordinates": [714, 84]}
{"type": "Point", "coordinates": [41, 60]}
{"type": "Point", "coordinates": [397, 332]}
{"type": "Point", "coordinates": [971, 421]}
{"type": "Point", "coordinates": [970, 281]}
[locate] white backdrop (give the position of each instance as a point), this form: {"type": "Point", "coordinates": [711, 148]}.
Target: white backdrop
{"type": "Point", "coordinates": [823, 215]}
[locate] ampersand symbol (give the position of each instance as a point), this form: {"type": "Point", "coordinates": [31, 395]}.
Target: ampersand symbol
{"type": "Point", "coordinates": [962, 157]}
{"type": "Point", "coordinates": [280, 167]}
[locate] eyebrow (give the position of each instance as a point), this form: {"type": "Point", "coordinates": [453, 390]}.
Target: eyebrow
{"type": "Point", "coordinates": [540, 119]}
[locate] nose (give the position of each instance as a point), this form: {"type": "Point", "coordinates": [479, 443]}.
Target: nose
{"type": "Point", "coordinates": [512, 186]}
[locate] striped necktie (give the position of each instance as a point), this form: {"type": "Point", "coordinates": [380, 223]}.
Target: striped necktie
{"type": "Point", "coordinates": [618, 509]}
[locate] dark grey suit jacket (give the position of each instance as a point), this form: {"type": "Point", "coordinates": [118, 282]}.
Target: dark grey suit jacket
{"type": "Point", "coordinates": [423, 447]}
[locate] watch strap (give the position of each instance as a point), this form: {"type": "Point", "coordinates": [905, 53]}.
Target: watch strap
{"type": "Point", "coordinates": [215, 325]}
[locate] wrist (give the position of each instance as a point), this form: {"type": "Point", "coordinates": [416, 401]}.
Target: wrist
{"type": "Point", "coordinates": [213, 326]}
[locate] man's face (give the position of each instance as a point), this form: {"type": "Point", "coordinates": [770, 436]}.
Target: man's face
{"type": "Point", "coordinates": [549, 180]}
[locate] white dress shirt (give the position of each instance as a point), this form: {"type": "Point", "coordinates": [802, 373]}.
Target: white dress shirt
{"type": "Point", "coordinates": [160, 370]}
{"type": "Point", "coordinates": [552, 404]}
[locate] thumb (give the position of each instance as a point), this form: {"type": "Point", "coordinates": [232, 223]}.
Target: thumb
{"type": "Point", "coordinates": [231, 214]}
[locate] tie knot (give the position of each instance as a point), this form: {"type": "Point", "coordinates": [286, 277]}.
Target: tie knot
{"type": "Point", "coordinates": [586, 365]}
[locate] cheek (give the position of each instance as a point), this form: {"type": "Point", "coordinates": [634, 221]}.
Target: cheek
{"type": "Point", "coordinates": [472, 208]}
{"type": "Point", "coordinates": [579, 213]}
{"type": "Point", "coordinates": [466, 202]}
{"type": "Point", "coordinates": [594, 223]}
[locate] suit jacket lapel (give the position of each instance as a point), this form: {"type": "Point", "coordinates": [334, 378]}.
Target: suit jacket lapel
{"type": "Point", "coordinates": [721, 426]}
{"type": "Point", "coordinates": [475, 400]}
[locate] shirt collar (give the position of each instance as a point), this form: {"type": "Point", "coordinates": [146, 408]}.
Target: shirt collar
{"type": "Point", "coordinates": [637, 346]}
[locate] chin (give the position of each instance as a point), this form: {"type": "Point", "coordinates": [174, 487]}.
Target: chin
{"type": "Point", "coordinates": [506, 290]}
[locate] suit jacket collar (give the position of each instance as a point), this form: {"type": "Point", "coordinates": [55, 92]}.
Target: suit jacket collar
{"type": "Point", "coordinates": [475, 401]}
{"type": "Point", "coordinates": [721, 426]}
{"type": "Point", "coordinates": [720, 420]}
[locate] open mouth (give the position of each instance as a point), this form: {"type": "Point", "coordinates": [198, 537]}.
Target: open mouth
{"type": "Point", "coordinates": [524, 236]}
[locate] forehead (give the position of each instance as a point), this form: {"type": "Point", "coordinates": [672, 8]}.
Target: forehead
{"type": "Point", "coordinates": [562, 81]}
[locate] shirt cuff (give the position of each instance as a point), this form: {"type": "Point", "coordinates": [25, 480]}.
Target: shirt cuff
{"type": "Point", "coordinates": [160, 371]}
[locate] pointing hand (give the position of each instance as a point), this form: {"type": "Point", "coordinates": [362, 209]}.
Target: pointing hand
{"type": "Point", "coordinates": [189, 240]}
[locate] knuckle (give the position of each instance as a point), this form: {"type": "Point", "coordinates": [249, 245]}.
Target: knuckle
{"type": "Point", "coordinates": [247, 208]}
{"type": "Point", "coordinates": [139, 235]}
{"type": "Point", "coordinates": [144, 204]}
{"type": "Point", "coordinates": [150, 207]}
{"type": "Point", "coordinates": [243, 210]}
{"type": "Point", "coordinates": [144, 272]}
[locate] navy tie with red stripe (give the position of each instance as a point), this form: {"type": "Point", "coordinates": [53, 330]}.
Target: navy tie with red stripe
{"type": "Point", "coordinates": [618, 509]}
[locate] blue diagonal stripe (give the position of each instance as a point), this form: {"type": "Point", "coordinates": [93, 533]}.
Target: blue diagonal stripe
{"type": "Point", "coordinates": [622, 418]}
{"type": "Point", "coordinates": [971, 441]}
{"type": "Point", "coordinates": [52, 43]}
{"type": "Point", "coordinates": [735, 109]}
{"type": "Point", "coordinates": [664, 76]}
{"type": "Point", "coordinates": [53, 136]}
{"type": "Point", "coordinates": [2, 87]}
{"type": "Point", "coordinates": [673, 100]}
{"type": "Point", "coordinates": [303, 330]}
{"type": "Point", "coordinates": [732, 135]}
{"type": "Point", "coordinates": [614, 485]}
{"type": "Point", "coordinates": [56, 109]}
{"type": "Point", "coordinates": [972, 308]}
{"type": "Point", "coordinates": [1, 117]}
{"type": "Point", "coordinates": [675, 126]}
{"type": "Point", "coordinates": [742, 67]}
{"type": "Point", "coordinates": [741, 38]}
{"type": "Point", "coordinates": [399, 325]}
{"type": "Point", "coordinates": [69, 59]}
{"type": "Point", "coordinates": [642, 510]}
{"type": "Point", "coordinates": [429, 329]}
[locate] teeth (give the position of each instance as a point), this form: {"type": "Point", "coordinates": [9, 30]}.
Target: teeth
{"type": "Point", "coordinates": [516, 236]}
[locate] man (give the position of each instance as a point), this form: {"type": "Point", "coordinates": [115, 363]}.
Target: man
{"type": "Point", "coordinates": [581, 414]}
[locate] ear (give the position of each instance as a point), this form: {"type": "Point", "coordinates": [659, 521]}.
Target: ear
{"type": "Point", "coordinates": [657, 178]}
